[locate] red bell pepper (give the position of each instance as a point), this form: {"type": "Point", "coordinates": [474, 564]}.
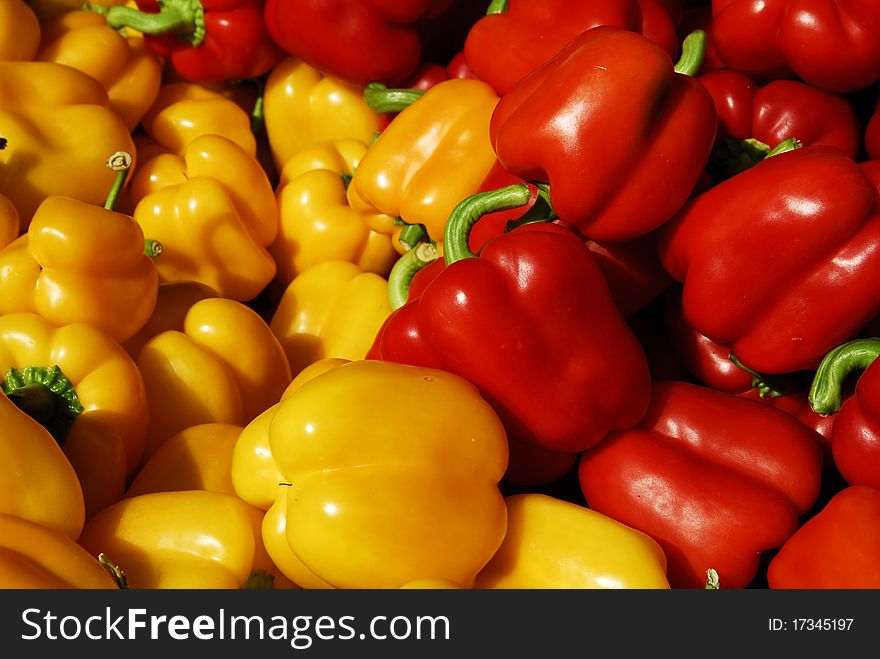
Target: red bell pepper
{"type": "Point", "coordinates": [609, 124]}
{"type": "Point", "coordinates": [780, 261]}
{"type": "Point", "coordinates": [714, 478]}
{"type": "Point", "coordinates": [828, 44]}
{"type": "Point", "coordinates": [872, 133]}
{"type": "Point", "coordinates": [206, 40]}
{"type": "Point", "coordinates": [835, 549]}
{"type": "Point", "coordinates": [517, 36]}
{"type": "Point", "coordinates": [359, 41]}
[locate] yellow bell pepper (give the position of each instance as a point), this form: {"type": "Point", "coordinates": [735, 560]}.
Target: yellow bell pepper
{"type": "Point", "coordinates": [10, 225]}
{"type": "Point", "coordinates": [80, 263]}
{"type": "Point", "coordinates": [182, 539]}
{"type": "Point", "coordinates": [332, 309]}
{"type": "Point", "coordinates": [302, 106]}
{"type": "Point", "coordinates": [48, 9]}
{"type": "Point", "coordinates": [59, 131]}
{"type": "Point", "coordinates": [33, 556]}
{"type": "Point", "coordinates": [223, 365]}
{"type": "Point", "coordinates": [19, 31]}
{"type": "Point", "coordinates": [552, 543]}
{"type": "Point", "coordinates": [317, 224]}
{"type": "Point", "coordinates": [81, 385]}
{"type": "Point", "coordinates": [371, 502]}
{"type": "Point", "coordinates": [184, 110]}
{"type": "Point", "coordinates": [432, 155]}
{"type": "Point", "coordinates": [37, 481]}
{"type": "Point", "coordinates": [124, 65]}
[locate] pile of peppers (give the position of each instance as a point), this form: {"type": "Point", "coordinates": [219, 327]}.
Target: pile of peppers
{"type": "Point", "coordinates": [611, 264]}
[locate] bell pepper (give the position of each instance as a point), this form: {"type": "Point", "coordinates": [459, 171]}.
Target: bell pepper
{"type": "Point", "coordinates": [204, 40]}
{"type": "Point", "coordinates": [39, 102]}
{"type": "Point", "coordinates": [46, 10]}
{"type": "Point", "coordinates": [19, 31]}
{"type": "Point", "coordinates": [332, 309]}
{"type": "Point", "coordinates": [223, 365]}
{"type": "Point", "coordinates": [514, 38]}
{"type": "Point", "coordinates": [10, 224]}
{"type": "Point", "coordinates": [34, 556]}
{"type": "Point", "coordinates": [124, 65]}
{"type": "Point", "coordinates": [766, 40]}
{"type": "Point", "coordinates": [182, 539]}
{"type": "Point", "coordinates": [811, 213]}
{"type": "Point", "coordinates": [80, 263]}
{"type": "Point", "coordinates": [553, 124]}
{"type": "Point", "coordinates": [37, 482]}
{"type": "Point", "coordinates": [405, 172]}
{"type": "Point", "coordinates": [532, 324]}
{"type": "Point", "coordinates": [79, 383]}
{"type": "Point", "coordinates": [316, 222]}
{"type": "Point", "coordinates": [551, 543]}
{"type": "Point", "coordinates": [836, 548]}
{"type": "Point", "coordinates": [356, 496]}
{"type": "Point", "coordinates": [753, 119]}
{"type": "Point", "coordinates": [322, 107]}
{"type": "Point", "coordinates": [714, 478]}
{"type": "Point", "coordinates": [872, 133]}
{"type": "Point", "coordinates": [377, 41]}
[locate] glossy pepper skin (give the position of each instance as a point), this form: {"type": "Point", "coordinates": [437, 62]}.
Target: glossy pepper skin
{"type": "Point", "coordinates": [502, 48]}
{"type": "Point", "coordinates": [715, 479]}
{"type": "Point", "coordinates": [205, 40]}
{"type": "Point", "coordinates": [405, 172]}
{"type": "Point", "coordinates": [34, 556]}
{"type": "Point", "coordinates": [551, 126]}
{"type": "Point", "coordinates": [551, 543]}
{"type": "Point", "coordinates": [42, 157]}
{"type": "Point", "coordinates": [812, 213]}
{"type": "Point", "coordinates": [19, 31]}
{"type": "Point", "coordinates": [377, 41]}
{"type": "Point", "coordinates": [836, 548]}
{"type": "Point", "coordinates": [766, 40]}
{"type": "Point", "coordinates": [359, 496]}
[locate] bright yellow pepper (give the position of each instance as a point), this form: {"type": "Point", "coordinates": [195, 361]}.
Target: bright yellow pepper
{"type": "Point", "coordinates": [184, 110]}
{"type": "Point", "coordinates": [10, 225]}
{"type": "Point", "coordinates": [80, 263]}
{"type": "Point", "coordinates": [96, 406]}
{"type": "Point", "coordinates": [59, 131]}
{"type": "Point", "coordinates": [182, 539]}
{"type": "Point", "coordinates": [37, 481]}
{"type": "Point", "coordinates": [332, 309]}
{"type": "Point", "coordinates": [124, 65]}
{"type": "Point", "coordinates": [302, 106]}
{"type": "Point", "coordinates": [48, 9]}
{"type": "Point", "coordinates": [317, 224]}
{"type": "Point", "coordinates": [19, 31]}
{"type": "Point", "coordinates": [371, 502]}
{"type": "Point", "coordinates": [33, 556]}
{"type": "Point", "coordinates": [432, 155]}
{"type": "Point", "coordinates": [552, 543]}
{"type": "Point", "coordinates": [223, 365]}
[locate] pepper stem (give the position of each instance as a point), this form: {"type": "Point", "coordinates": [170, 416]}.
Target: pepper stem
{"type": "Point", "coordinates": [712, 581]}
{"type": "Point", "coordinates": [826, 389]}
{"type": "Point", "coordinates": [693, 51]}
{"type": "Point", "coordinates": [259, 580]}
{"type": "Point", "coordinates": [405, 268]}
{"type": "Point", "coordinates": [3, 143]}
{"type": "Point", "coordinates": [46, 395]}
{"type": "Point", "coordinates": [785, 146]}
{"type": "Point", "coordinates": [412, 234]}
{"type": "Point", "coordinates": [759, 381]}
{"type": "Point", "coordinates": [382, 100]}
{"type": "Point", "coordinates": [115, 571]}
{"type": "Point", "coordinates": [119, 162]}
{"type": "Point", "coordinates": [186, 18]}
{"type": "Point", "coordinates": [497, 7]}
{"type": "Point", "coordinates": [471, 209]}
{"type": "Point", "coordinates": [541, 210]}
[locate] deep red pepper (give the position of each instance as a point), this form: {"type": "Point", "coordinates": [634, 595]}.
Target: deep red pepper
{"type": "Point", "coordinates": [518, 36]}
{"type": "Point", "coordinates": [565, 124]}
{"type": "Point", "coordinates": [206, 40]}
{"type": "Point", "coordinates": [828, 44]}
{"type": "Point", "coordinates": [714, 478]}
{"type": "Point", "coordinates": [872, 133]}
{"type": "Point", "coordinates": [837, 548]}
{"type": "Point", "coordinates": [781, 261]}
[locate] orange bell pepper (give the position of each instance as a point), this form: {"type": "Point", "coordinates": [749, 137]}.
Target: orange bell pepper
{"type": "Point", "coordinates": [19, 31]}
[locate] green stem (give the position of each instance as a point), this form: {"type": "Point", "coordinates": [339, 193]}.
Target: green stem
{"type": "Point", "coordinates": [382, 100]}
{"type": "Point", "coordinates": [826, 390]}
{"type": "Point", "coordinates": [260, 580]}
{"type": "Point", "coordinates": [119, 162]}
{"type": "Point", "coordinates": [693, 51]}
{"type": "Point", "coordinates": [413, 234]}
{"type": "Point", "coordinates": [346, 179]}
{"type": "Point", "coordinates": [46, 395]}
{"type": "Point", "coordinates": [541, 210]}
{"type": "Point", "coordinates": [405, 269]}
{"type": "Point", "coordinates": [759, 380]}
{"type": "Point", "coordinates": [186, 18]}
{"type": "Point", "coordinates": [712, 581]}
{"type": "Point", "coordinates": [152, 248]}
{"type": "Point", "coordinates": [497, 7]}
{"type": "Point", "coordinates": [471, 209]}
{"type": "Point", "coordinates": [784, 146]}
